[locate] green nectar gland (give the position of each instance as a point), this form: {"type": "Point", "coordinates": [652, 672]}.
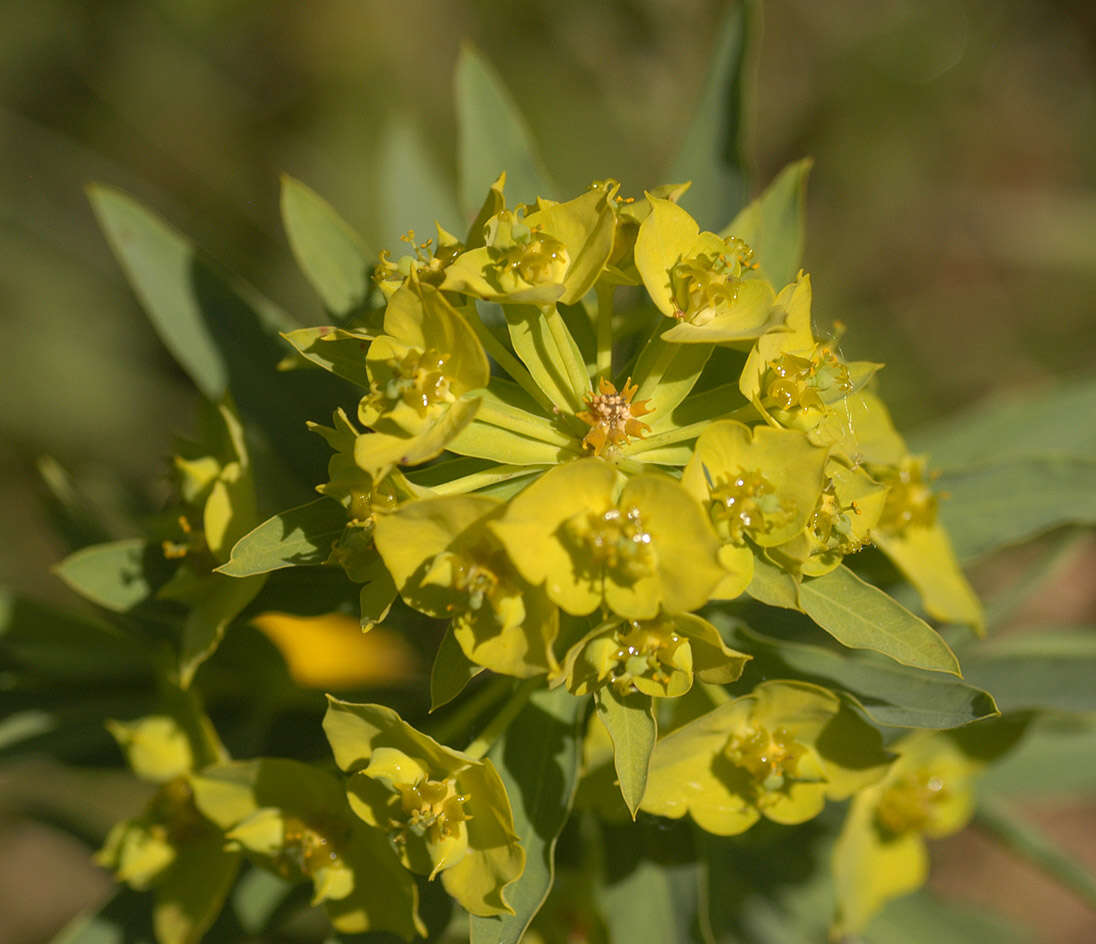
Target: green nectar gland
{"type": "Point", "coordinates": [308, 847]}
{"type": "Point", "coordinates": [746, 506]}
{"type": "Point", "coordinates": [614, 540]}
{"type": "Point", "coordinates": [418, 379]}
{"type": "Point", "coordinates": [793, 382]}
{"type": "Point", "coordinates": [769, 758]}
{"type": "Point", "coordinates": [705, 285]}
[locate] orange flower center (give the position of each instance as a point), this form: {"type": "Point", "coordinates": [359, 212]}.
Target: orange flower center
{"type": "Point", "coordinates": [612, 416]}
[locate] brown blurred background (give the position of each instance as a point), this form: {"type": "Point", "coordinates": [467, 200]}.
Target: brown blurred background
{"type": "Point", "coordinates": [951, 223]}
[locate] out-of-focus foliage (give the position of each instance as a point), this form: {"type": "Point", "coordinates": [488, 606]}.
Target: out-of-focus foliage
{"type": "Point", "coordinates": [1013, 472]}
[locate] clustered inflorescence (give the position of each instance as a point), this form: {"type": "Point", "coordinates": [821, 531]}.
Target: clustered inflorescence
{"type": "Point", "coordinates": [583, 426]}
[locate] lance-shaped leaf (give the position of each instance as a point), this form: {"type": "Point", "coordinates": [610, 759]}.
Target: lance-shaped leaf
{"type": "Point", "coordinates": [778, 752]}
{"type": "Point", "coordinates": [774, 224]}
{"type": "Point", "coordinates": [336, 350]}
{"type": "Point", "coordinates": [447, 564]}
{"type": "Point", "coordinates": [711, 152]}
{"type": "Point", "coordinates": [630, 721]}
{"type": "Point", "coordinates": [538, 759]}
{"type": "Point", "coordinates": [333, 257]}
{"type": "Point", "coordinates": [221, 600]}
{"type": "Point", "coordinates": [861, 616]}
{"type": "Point", "coordinates": [398, 772]}
{"type": "Point", "coordinates": [298, 537]}
{"type": "Point", "coordinates": [492, 136]}
{"type": "Point", "coordinates": [119, 576]}
{"type": "Point", "coordinates": [886, 692]}
{"type": "Point", "coordinates": [221, 330]}
{"type": "Point", "coordinates": [294, 818]}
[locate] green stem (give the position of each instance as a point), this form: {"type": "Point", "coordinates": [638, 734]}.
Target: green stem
{"type": "Point", "coordinates": [505, 359]}
{"type": "Point", "coordinates": [664, 354]}
{"type": "Point", "coordinates": [670, 437]}
{"type": "Point", "coordinates": [605, 330]}
{"type": "Point", "coordinates": [469, 483]}
{"type": "Point", "coordinates": [498, 725]}
{"type": "Point", "coordinates": [578, 380]}
{"type": "Point", "coordinates": [1030, 843]}
{"type": "Point", "coordinates": [518, 421]}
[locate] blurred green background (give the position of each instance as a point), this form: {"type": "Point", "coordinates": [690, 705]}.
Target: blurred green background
{"type": "Point", "coordinates": [951, 209]}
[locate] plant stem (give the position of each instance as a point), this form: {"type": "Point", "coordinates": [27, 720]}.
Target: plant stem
{"type": "Point", "coordinates": [605, 330]}
{"type": "Point", "coordinates": [577, 379]}
{"type": "Point", "coordinates": [469, 483]}
{"type": "Point", "coordinates": [518, 421]}
{"type": "Point", "coordinates": [498, 725]}
{"type": "Point", "coordinates": [663, 355]}
{"type": "Point", "coordinates": [505, 359]}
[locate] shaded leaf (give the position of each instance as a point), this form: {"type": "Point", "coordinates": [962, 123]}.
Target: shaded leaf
{"type": "Point", "coordinates": [206, 623]}
{"type": "Point", "coordinates": [774, 224]}
{"type": "Point", "coordinates": [861, 616]}
{"type": "Point", "coordinates": [493, 137]}
{"type": "Point", "coordinates": [293, 538]}
{"type": "Point", "coordinates": [451, 672]}
{"type": "Point", "coordinates": [340, 352]}
{"type": "Point", "coordinates": [1012, 426]}
{"type": "Point", "coordinates": [332, 256]}
{"type": "Point", "coordinates": [711, 151]}
{"type": "Point", "coordinates": [630, 721]}
{"type": "Point", "coordinates": [538, 760]}
{"type": "Point", "coordinates": [1005, 503]}
{"type": "Point", "coordinates": [119, 576]}
{"type": "Point", "coordinates": [1041, 671]}
{"type": "Point", "coordinates": [888, 693]}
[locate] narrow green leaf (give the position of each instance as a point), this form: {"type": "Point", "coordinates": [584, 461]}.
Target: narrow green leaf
{"type": "Point", "coordinates": [772, 586]}
{"type": "Point", "coordinates": [39, 641]}
{"type": "Point", "coordinates": [340, 352]}
{"type": "Point", "coordinates": [293, 538]}
{"type": "Point", "coordinates": [414, 195]}
{"type": "Point", "coordinates": [888, 693]}
{"type": "Point", "coordinates": [332, 256]}
{"type": "Point", "coordinates": [451, 672]}
{"type": "Point", "coordinates": [538, 760]}
{"type": "Point", "coordinates": [1005, 503]}
{"type": "Point", "coordinates": [220, 330]}
{"type": "Point", "coordinates": [118, 576]}
{"type": "Point", "coordinates": [775, 224]}
{"type": "Point", "coordinates": [492, 136]}
{"type": "Point", "coordinates": [651, 903]}
{"type": "Point", "coordinates": [167, 275]}
{"type": "Point", "coordinates": [711, 154]}
{"type": "Point", "coordinates": [1057, 758]}
{"type": "Point", "coordinates": [1013, 426]}
{"type": "Point", "coordinates": [1040, 671]}
{"type": "Point", "coordinates": [630, 720]}
{"type": "Point", "coordinates": [861, 616]}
